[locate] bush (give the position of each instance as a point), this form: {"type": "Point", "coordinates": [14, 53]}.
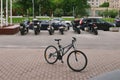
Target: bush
{"type": "Point", "coordinates": [58, 12]}
{"type": "Point", "coordinates": [108, 13]}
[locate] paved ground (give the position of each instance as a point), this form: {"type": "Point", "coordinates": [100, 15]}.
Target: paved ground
{"type": "Point", "coordinates": [21, 57]}
{"type": "Point", "coordinates": [29, 64]}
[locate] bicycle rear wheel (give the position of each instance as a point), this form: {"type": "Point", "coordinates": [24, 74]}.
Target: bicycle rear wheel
{"type": "Point", "coordinates": [77, 61]}
{"type": "Point", "coordinates": [50, 54]}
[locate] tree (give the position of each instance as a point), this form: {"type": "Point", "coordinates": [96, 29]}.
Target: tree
{"type": "Point", "coordinates": [105, 4]}
{"type": "Point", "coordinates": [58, 12]}
{"type": "Point", "coordinates": [80, 8]}
{"type": "Point", "coordinates": [49, 6]}
{"type": "Point", "coordinates": [111, 13]}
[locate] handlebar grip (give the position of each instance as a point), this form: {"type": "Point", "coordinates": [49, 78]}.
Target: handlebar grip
{"type": "Point", "coordinates": [74, 38]}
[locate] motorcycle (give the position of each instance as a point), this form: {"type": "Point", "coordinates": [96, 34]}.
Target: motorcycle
{"type": "Point", "coordinates": [50, 30]}
{"type": "Point", "coordinates": [24, 27]}
{"type": "Point", "coordinates": [77, 29]}
{"type": "Point", "coordinates": [61, 29]}
{"type": "Point", "coordinates": [76, 26]}
{"type": "Point", "coordinates": [92, 28]}
{"type": "Point", "coordinates": [36, 26]}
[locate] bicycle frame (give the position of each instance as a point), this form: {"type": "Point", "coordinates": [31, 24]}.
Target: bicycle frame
{"type": "Point", "coordinates": [68, 47]}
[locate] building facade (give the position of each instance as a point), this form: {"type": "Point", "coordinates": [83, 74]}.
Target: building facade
{"type": "Point", "coordinates": [113, 4]}
{"type": "Point", "coordinates": [96, 3]}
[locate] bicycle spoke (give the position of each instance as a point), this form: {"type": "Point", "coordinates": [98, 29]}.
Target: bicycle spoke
{"type": "Point", "coordinates": [51, 54]}
{"type": "Point", "coordinates": [77, 61]}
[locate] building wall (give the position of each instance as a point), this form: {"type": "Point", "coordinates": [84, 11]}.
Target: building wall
{"type": "Point", "coordinates": [96, 3]}
{"type": "Point", "coordinates": [114, 3]}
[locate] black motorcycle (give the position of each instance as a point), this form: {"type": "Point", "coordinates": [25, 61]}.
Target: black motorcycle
{"type": "Point", "coordinates": [59, 26]}
{"type": "Point", "coordinates": [50, 29]}
{"type": "Point", "coordinates": [61, 29]}
{"type": "Point", "coordinates": [76, 26]}
{"type": "Point", "coordinates": [77, 29]}
{"type": "Point", "coordinates": [36, 26]}
{"type": "Point", "coordinates": [24, 27]}
{"type": "Point", "coordinates": [92, 28]}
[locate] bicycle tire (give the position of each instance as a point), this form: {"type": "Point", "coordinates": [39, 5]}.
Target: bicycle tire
{"type": "Point", "coordinates": [48, 55]}
{"type": "Point", "coordinates": [70, 60]}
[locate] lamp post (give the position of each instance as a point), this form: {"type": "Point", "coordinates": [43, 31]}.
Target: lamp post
{"type": "Point", "coordinates": [1, 14]}
{"type": "Point", "coordinates": [73, 10]}
{"type": "Point", "coordinates": [6, 12]}
{"type": "Point", "coordinates": [33, 8]}
{"type": "Point", "coordinates": [10, 12]}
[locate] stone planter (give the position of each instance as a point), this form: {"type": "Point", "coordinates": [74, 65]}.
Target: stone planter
{"type": "Point", "coordinates": [114, 29]}
{"type": "Point", "coordinates": [10, 30]}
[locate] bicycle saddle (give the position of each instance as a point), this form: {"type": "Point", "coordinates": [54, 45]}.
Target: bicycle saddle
{"type": "Point", "coordinates": [57, 39]}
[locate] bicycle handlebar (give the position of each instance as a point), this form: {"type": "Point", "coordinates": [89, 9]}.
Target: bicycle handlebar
{"type": "Point", "coordinates": [74, 39]}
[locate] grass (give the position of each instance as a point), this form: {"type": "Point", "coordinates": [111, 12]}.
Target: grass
{"type": "Point", "coordinates": [18, 20]}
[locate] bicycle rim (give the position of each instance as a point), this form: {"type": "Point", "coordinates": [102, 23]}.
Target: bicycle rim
{"type": "Point", "coordinates": [77, 61]}
{"type": "Point", "coordinates": [51, 54]}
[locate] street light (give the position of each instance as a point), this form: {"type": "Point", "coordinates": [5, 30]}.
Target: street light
{"type": "Point", "coordinates": [6, 12]}
{"type": "Point", "coordinates": [10, 12]}
{"type": "Point", "coordinates": [33, 8]}
{"type": "Point", "coordinates": [1, 14]}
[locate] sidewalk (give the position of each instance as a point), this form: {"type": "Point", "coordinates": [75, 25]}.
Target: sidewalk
{"type": "Point", "coordinates": [29, 64]}
{"type": "Point", "coordinates": [113, 75]}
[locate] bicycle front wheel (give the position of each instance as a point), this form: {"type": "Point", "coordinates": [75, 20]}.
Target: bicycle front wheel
{"type": "Point", "coordinates": [50, 54]}
{"type": "Point", "coordinates": [77, 61]}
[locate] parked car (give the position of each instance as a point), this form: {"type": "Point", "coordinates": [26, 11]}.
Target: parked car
{"type": "Point", "coordinates": [44, 24]}
{"type": "Point", "coordinates": [101, 24]}
{"type": "Point", "coordinates": [117, 22]}
{"type": "Point", "coordinates": [68, 24]}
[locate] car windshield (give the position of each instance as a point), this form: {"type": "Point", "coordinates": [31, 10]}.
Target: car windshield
{"type": "Point", "coordinates": [101, 20]}
{"type": "Point", "coordinates": [58, 19]}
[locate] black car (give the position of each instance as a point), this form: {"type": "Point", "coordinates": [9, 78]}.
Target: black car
{"type": "Point", "coordinates": [44, 24]}
{"type": "Point", "coordinates": [117, 22]}
{"type": "Point", "coordinates": [101, 24]}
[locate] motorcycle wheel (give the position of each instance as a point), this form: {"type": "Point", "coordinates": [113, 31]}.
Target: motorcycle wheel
{"type": "Point", "coordinates": [78, 31]}
{"type": "Point", "coordinates": [36, 32]}
{"type": "Point", "coordinates": [50, 32]}
{"type": "Point", "coordinates": [62, 32]}
{"type": "Point", "coordinates": [95, 32]}
{"type": "Point", "coordinates": [22, 32]}
{"type": "Point", "coordinates": [27, 30]}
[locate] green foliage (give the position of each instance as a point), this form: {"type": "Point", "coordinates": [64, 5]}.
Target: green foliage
{"type": "Point", "coordinates": [49, 6]}
{"type": "Point", "coordinates": [58, 12]}
{"type": "Point", "coordinates": [108, 13]}
{"type": "Point", "coordinates": [105, 4]}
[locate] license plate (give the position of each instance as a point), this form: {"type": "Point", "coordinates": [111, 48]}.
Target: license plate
{"type": "Point", "coordinates": [95, 27]}
{"type": "Point", "coordinates": [21, 27]}
{"type": "Point", "coordinates": [78, 26]}
{"type": "Point", "coordinates": [48, 28]}
{"type": "Point", "coordinates": [61, 27]}
{"type": "Point", "coordinates": [35, 26]}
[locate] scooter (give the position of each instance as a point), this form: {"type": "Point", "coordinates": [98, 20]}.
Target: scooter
{"type": "Point", "coordinates": [77, 29]}
{"type": "Point", "coordinates": [36, 26]}
{"type": "Point", "coordinates": [24, 27]}
{"type": "Point", "coordinates": [92, 28]}
{"type": "Point", "coordinates": [50, 29]}
{"type": "Point", "coordinates": [61, 29]}
{"type": "Point", "coordinates": [76, 26]}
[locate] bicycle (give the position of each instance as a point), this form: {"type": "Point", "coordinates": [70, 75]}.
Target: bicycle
{"type": "Point", "coordinates": [52, 54]}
